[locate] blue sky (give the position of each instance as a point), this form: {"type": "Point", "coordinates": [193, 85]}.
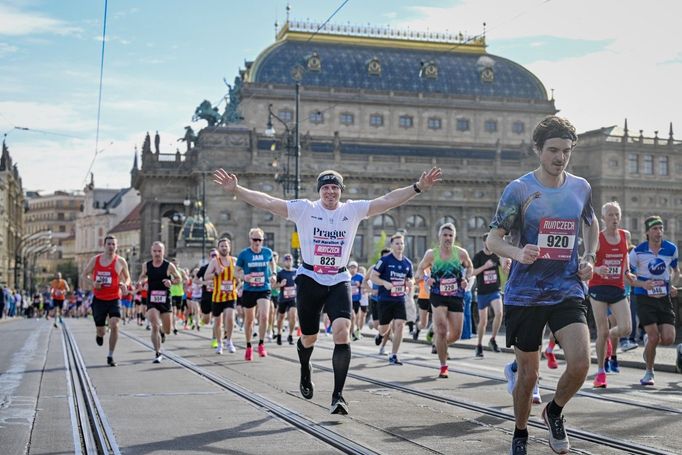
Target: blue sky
{"type": "Point", "coordinates": [605, 60]}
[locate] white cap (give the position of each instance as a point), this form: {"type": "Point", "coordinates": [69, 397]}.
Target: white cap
{"type": "Point", "coordinates": [352, 264]}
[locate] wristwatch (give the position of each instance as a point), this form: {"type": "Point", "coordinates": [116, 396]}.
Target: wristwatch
{"type": "Point", "coordinates": [590, 255]}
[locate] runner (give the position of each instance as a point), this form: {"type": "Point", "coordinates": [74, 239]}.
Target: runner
{"type": "Point", "coordinates": [287, 298]}
{"type": "Point", "coordinates": [255, 267]}
{"type": "Point", "coordinates": [58, 290]}
{"type": "Point", "coordinates": [274, 299]}
{"type": "Point", "coordinates": [607, 287]}
{"type": "Point", "coordinates": [487, 271]}
{"type": "Point", "coordinates": [177, 291]}
{"type": "Point", "coordinates": [107, 274]}
{"type": "Point", "coordinates": [356, 280]}
{"type": "Point", "coordinates": [364, 304]}
{"type": "Point", "coordinates": [393, 273]}
{"type": "Point", "coordinates": [224, 298]}
{"type": "Point", "coordinates": [424, 303]}
{"type": "Point", "coordinates": [327, 229]}
{"type": "Point", "coordinates": [195, 301]}
{"type": "Point", "coordinates": [542, 211]}
{"type": "Point", "coordinates": [206, 304]}
{"type": "Point", "coordinates": [451, 269]}
{"type": "Point", "coordinates": [160, 275]}
{"type": "Point", "coordinates": [655, 263]}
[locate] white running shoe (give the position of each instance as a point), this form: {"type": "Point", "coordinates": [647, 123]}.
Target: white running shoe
{"type": "Point", "coordinates": [230, 347]}
{"type": "Point", "coordinates": [511, 377]}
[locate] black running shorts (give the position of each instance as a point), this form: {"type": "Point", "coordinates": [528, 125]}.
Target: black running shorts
{"type": "Point", "coordinates": [251, 298]}
{"type": "Point", "coordinates": [454, 304]}
{"type": "Point", "coordinates": [390, 310]}
{"type": "Point", "coordinates": [218, 307]}
{"type": "Point", "coordinates": [284, 306]}
{"type": "Point", "coordinates": [160, 307]}
{"type": "Point", "coordinates": [424, 304]}
{"type": "Point", "coordinates": [651, 310]}
{"type": "Point", "coordinates": [103, 308]}
{"type": "Point", "coordinates": [206, 303]}
{"type": "Point", "coordinates": [312, 297]}
{"type": "Point", "coordinates": [526, 324]}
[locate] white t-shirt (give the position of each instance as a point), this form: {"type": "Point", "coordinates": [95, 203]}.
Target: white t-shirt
{"type": "Point", "coordinates": [326, 236]}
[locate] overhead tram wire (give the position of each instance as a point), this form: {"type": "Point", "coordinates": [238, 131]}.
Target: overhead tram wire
{"type": "Point", "coordinates": [99, 97]}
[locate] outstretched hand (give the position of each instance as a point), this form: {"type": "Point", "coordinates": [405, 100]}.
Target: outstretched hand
{"type": "Point", "coordinates": [226, 180]}
{"type": "Point", "coordinates": [430, 178]}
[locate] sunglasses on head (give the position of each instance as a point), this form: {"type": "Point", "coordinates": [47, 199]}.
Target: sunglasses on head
{"type": "Point", "coordinates": [256, 240]}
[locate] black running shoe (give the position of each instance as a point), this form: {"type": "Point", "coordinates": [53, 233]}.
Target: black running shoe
{"type": "Point", "coordinates": [415, 334]}
{"type": "Point", "coordinates": [110, 361]}
{"type": "Point", "coordinates": [678, 364]}
{"type": "Point", "coordinates": [493, 345]}
{"type": "Point", "coordinates": [479, 351]}
{"type": "Point", "coordinates": [99, 340]}
{"type": "Point", "coordinates": [175, 331]}
{"type": "Point", "coordinates": [158, 357]}
{"type": "Point", "coordinates": [279, 339]}
{"type": "Point", "coordinates": [433, 349]}
{"type": "Point", "coordinates": [163, 337]}
{"type": "Point", "coordinates": [518, 446]}
{"type": "Point", "coordinates": [306, 385]}
{"type": "Point", "coordinates": [339, 406]}
{"type": "Point", "coordinates": [377, 339]}
{"type": "Point", "coordinates": [290, 339]}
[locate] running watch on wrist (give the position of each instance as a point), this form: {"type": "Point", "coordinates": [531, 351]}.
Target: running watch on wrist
{"type": "Point", "coordinates": [416, 188]}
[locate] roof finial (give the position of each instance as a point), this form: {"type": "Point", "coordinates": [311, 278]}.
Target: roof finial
{"type": "Point", "coordinates": [670, 134]}
{"type": "Point", "coordinates": [288, 11]}
{"type": "Point", "coordinates": [625, 130]}
{"type": "Point", "coordinates": [552, 96]}
{"type": "Point", "coordinates": [484, 24]}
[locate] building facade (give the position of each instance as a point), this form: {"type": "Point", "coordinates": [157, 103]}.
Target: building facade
{"type": "Point", "coordinates": [380, 106]}
{"type": "Point", "coordinates": [11, 220]}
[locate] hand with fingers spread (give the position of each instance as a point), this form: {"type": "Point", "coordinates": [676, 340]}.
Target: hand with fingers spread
{"type": "Point", "coordinates": [429, 178]}
{"type": "Point", "coordinates": [225, 179]}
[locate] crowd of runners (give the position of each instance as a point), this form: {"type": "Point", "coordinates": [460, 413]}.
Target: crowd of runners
{"type": "Point", "coordinates": [554, 255]}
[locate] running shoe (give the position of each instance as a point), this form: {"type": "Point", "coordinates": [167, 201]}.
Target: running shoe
{"type": "Point", "coordinates": [558, 440]}
{"type": "Point", "coordinates": [358, 334]}
{"type": "Point", "coordinates": [354, 335]}
{"type": "Point", "coordinates": [175, 331]}
{"type": "Point", "coordinates": [492, 344]}
{"type": "Point", "coordinates": [429, 335]}
{"type": "Point", "coordinates": [415, 334]}
{"type": "Point", "coordinates": [393, 360]}
{"type": "Point", "coordinates": [248, 354]}
{"type": "Point", "coordinates": [628, 345]}
{"type": "Point", "coordinates": [510, 374]}
{"type": "Point", "coordinates": [537, 399]}
{"type": "Point", "coordinates": [678, 363]}
{"type": "Point", "coordinates": [230, 347]}
{"type": "Point", "coordinates": [214, 343]}
{"type": "Point", "coordinates": [518, 446]}
{"type": "Point", "coordinates": [306, 385]}
{"type": "Point", "coordinates": [551, 360]}
{"type": "Point", "coordinates": [479, 351]}
{"type": "Point", "coordinates": [599, 381]}
{"type": "Point", "coordinates": [607, 365]}
{"type": "Point", "coordinates": [433, 349]}
{"type": "Point", "coordinates": [290, 339]}
{"type": "Point", "coordinates": [219, 349]}
{"type": "Point", "coordinates": [339, 406]}
{"type": "Point", "coordinates": [279, 339]}
{"type": "Point", "coordinates": [269, 337]}
{"type": "Point", "coordinates": [329, 329]}
{"type": "Point", "coordinates": [261, 350]}
{"type": "Point", "coordinates": [443, 372]}
{"type": "Point", "coordinates": [99, 340]}
{"type": "Point", "coordinates": [163, 337]}
{"type": "Point", "coordinates": [648, 378]}
{"type": "Point", "coordinates": [158, 358]}
{"type": "Point", "coordinates": [110, 361]}
{"type": "Point", "coordinates": [382, 350]}
{"type": "Point", "coordinates": [377, 339]}
{"type": "Point", "coordinates": [54, 324]}
{"type": "Point", "coordinates": [613, 365]}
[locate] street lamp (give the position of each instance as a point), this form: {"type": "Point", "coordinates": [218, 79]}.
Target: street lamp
{"type": "Point", "coordinates": [293, 150]}
{"type": "Point", "coordinates": [18, 257]}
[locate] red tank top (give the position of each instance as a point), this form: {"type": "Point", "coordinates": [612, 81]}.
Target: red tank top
{"type": "Point", "coordinates": [108, 277]}
{"type": "Point", "coordinates": [613, 257]}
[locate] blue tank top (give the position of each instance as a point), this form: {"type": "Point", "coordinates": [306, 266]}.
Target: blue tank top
{"type": "Point", "coordinates": [550, 218]}
{"type": "Point", "coordinates": [356, 286]}
{"type": "Point", "coordinates": [257, 265]}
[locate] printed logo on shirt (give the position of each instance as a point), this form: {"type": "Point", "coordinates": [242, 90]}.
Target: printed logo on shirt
{"type": "Point", "coordinates": [656, 266]}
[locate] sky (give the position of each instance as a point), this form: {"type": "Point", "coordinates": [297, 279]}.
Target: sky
{"type": "Point", "coordinates": [606, 60]}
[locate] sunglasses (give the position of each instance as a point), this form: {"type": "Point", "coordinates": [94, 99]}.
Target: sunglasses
{"type": "Point", "coordinates": [256, 240]}
{"type": "Point", "coordinates": [287, 258]}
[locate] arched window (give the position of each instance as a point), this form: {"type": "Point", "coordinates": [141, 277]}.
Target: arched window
{"type": "Point", "coordinates": [476, 223]}
{"type": "Point", "coordinates": [415, 222]}
{"type": "Point", "coordinates": [383, 222]}
{"type": "Point", "coordinates": [443, 220]}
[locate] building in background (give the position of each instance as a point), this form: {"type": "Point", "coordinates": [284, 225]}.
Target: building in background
{"type": "Point", "coordinates": [127, 232]}
{"type": "Point", "coordinates": [11, 220]}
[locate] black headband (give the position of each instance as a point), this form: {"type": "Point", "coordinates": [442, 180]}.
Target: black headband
{"type": "Point", "coordinates": [330, 179]}
{"type": "Point", "coordinates": [653, 221]}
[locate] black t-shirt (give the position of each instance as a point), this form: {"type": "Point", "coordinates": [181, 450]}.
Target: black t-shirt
{"type": "Point", "coordinates": [488, 281]}
{"type": "Point", "coordinates": [288, 292]}
{"type": "Point", "coordinates": [200, 274]}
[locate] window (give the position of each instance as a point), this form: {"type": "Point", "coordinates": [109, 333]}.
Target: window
{"type": "Point", "coordinates": [634, 224]}
{"type": "Point", "coordinates": [415, 222]}
{"type": "Point", "coordinates": [648, 165]}
{"type": "Point", "coordinates": [415, 247]}
{"type": "Point", "coordinates": [633, 163]}
{"type": "Point", "coordinates": [406, 121]}
{"type": "Point", "coordinates": [518, 127]}
{"type": "Point", "coordinates": [62, 228]}
{"type": "Point", "coordinates": [663, 165]}
{"type": "Point", "coordinates": [269, 240]}
{"type": "Point", "coordinates": [613, 164]}
{"type": "Point", "coordinates": [316, 117]}
{"type": "Point", "coordinates": [286, 115]}
{"type": "Point", "coordinates": [463, 124]}
{"type": "Point", "coordinates": [358, 247]}
{"type": "Point", "coordinates": [444, 220]}
{"type": "Point", "coordinates": [434, 123]}
{"type": "Point", "coordinates": [490, 126]}
{"type": "Point", "coordinates": [346, 118]}
{"type": "Point", "coordinates": [383, 222]}
{"type": "Point", "coordinates": [60, 216]}
{"type": "Point", "coordinates": [376, 120]}
{"type": "Point", "coordinates": [476, 223]}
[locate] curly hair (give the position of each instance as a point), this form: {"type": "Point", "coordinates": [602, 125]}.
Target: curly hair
{"type": "Point", "coordinates": [552, 127]}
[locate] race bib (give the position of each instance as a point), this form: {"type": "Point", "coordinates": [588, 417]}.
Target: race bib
{"type": "Point", "coordinates": [58, 293]}
{"type": "Point", "coordinates": [257, 279]}
{"type": "Point", "coordinates": [356, 290]}
{"type": "Point", "coordinates": [398, 289]}
{"type": "Point", "coordinates": [659, 288]}
{"type": "Point", "coordinates": [158, 297]}
{"type": "Point", "coordinates": [226, 286]}
{"type": "Point", "coordinates": [104, 278]}
{"type": "Point", "coordinates": [556, 238]}
{"type": "Point", "coordinates": [289, 292]}
{"type": "Point", "coordinates": [327, 259]}
{"type": "Point", "coordinates": [489, 276]}
{"type": "Point", "coordinates": [448, 286]}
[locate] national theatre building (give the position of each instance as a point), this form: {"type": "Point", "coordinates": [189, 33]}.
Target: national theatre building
{"type": "Point", "coordinates": [379, 106]}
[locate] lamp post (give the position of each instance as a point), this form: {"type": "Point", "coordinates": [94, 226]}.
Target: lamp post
{"type": "Point", "coordinates": [293, 150]}
{"type": "Point", "coordinates": [18, 257]}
